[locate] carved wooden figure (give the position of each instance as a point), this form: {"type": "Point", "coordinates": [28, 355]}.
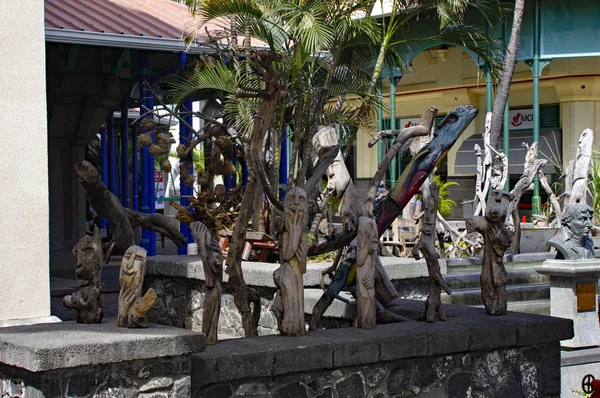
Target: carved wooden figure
{"type": "Point", "coordinates": [289, 303]}
{"type": "Point", "coordinates": [365, 273]}
{"type": "Point", "coordinates": [132, 305]}
{"type": "Point", "coordinates": [497, 238]}
{"type": "Point", "coordinates": [86, 303]}
{"type": "Point", "coordinates": [212, 262]}
{"type": "Point", "coordinates": [426, 244]}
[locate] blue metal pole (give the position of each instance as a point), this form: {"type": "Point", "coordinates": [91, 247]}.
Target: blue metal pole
{"type": "Point", "coordinates": [112, 153]}
{"type": "Point", "coordinates": [147, 161]}
{"type": "Point", "coordinates": [283, 163]}
{"type": "Point", "coordinates": [245, 173]}
{"type": "Point", "coordinates": [104, 150]}
{"type": "Point", "coordinates": [135, 183]}
{"type": "Point", "coordinates": [125, 152]}
{"type": "Point", "coordinates": [185, 137]}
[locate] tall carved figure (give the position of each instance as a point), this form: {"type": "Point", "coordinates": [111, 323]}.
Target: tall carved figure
{"type": "Point", "coordinates": [86, 303]}
{"type": "Point", "coordinates": [289, 303]}
{"type": "Point", "coordinates": [365, 273]}
{"type": "Point", "coordinates": [497, 238]}
{"type": "Point", "coordinates": [132, 305]}
{"type": "Point", "coordinates": [212, 262]}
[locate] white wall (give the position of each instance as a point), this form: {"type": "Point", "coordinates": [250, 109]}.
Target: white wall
{"type": "Point", "coordinates": [24, 278]}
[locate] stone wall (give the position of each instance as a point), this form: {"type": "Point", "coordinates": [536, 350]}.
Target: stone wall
{"type": "Point", "coordinates": [162, 378]}
{"type": "Point", "coordinates": [522, 372]}
{"type": "Point", "coordinates": [470, 355]}
{"type": "Point", "coordinates": [96, 360]}
{"type": "Point", "coordinates": [179, 284]}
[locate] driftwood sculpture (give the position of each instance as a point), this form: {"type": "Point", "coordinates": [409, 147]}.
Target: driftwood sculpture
{"type": "Point", "coordinates": [532, 167]}
{"type": "Point", "coordinates": [86, 303]}
{"type": "Point", "coordinates": [288, 306]}
{"type": "Point", "coordinates": [212, 263]}
{"type": "Point", "coordinates": [497, 239]}
{"type": "Point", "coordinates": [122, 220]}
{"type": "Point", "coordinates": [132, 305]}
{"type": "Point", "coordinates": [422, 165]}
{"type": "Point", "coordinates": [572, 241]}
{"type": "Point", "coordinates": [426, 244]}
{"type": "Point", "coordinates": [576, 187]}
{"type": "Point", "coordinates": [366, 254]}
{"type": "Point", "coordinates": [351, 209]}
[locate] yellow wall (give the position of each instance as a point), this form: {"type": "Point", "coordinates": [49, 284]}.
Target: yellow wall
{"type": "Point", "coordinates": [450, 78]}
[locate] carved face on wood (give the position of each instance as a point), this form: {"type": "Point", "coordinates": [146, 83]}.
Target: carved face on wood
{"type": "Point", "coordinates": [133, 266]}
{"type": "Point", "coordinates": [366, 238]}
{"type": "Point", "coordinates": [338, 175]}
{"type": "Point", "coordinates": [296, 206]}
{"type": "Point", "coordinates": [88, 258]}
{"type": "Point", "coordinates": [497, 205]}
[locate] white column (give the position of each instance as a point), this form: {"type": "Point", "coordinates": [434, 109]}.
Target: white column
{"type": "Point", "coordinates": [24, 235]}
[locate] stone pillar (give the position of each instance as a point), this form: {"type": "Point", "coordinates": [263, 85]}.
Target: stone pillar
{"type": "Point", "coordinates": [565, 276]}
{"type": "Point", "coordinates": [24, 235]}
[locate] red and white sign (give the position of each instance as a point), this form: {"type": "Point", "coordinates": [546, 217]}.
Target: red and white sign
{"type": "Point", "coordinates": [408, 122]}
{"type": "Point", "coordinates": [159, 189]}
{"type": "Point", "coordinates": [521, 119]}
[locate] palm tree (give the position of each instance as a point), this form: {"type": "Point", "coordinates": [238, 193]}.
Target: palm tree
{"type": "Point", "coordinates": [316, 51]}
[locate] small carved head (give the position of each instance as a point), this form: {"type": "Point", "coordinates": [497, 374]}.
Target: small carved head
{"type": "Point", "coordinates": [88, 258]}
{"type": "Point", "coordinates": [296, 200]}
{"type": "Point", "coordinates": [497, 205]}
{"type": "Point", "coordinates": [133, 263]}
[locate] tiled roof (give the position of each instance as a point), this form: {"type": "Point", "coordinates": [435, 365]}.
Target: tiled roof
{"type": "Point", "coordinates": [152, 19]}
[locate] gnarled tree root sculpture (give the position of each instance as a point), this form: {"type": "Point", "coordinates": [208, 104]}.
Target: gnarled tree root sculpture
{"type": "Point", "coordinates": [433, 304]}
{"type": "Point", "coordinates": [122, 220]}
{"type": "Point", "coordinates": [86, 303]}
{"type": "Point", "coordinates": [497, 239]}
{"type": "Point", "coordinates": [212, 262]}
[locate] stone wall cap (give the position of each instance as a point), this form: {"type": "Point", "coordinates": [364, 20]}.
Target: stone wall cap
{"type": "Point", "coordinates": [261, 274]}
{"type": "Point", "coordinates": [64, 345]}
{"type": "Point", "coordinates": [467, 329]}
{"type": "Point", "coordinates": [570, 268]}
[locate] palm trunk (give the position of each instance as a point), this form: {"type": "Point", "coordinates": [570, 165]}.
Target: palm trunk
{"type": "Point", "coordinates": [508, 68]}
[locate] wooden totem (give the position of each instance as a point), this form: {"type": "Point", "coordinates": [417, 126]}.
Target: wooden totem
{"type": "Point", "coordinates": [132, 305]}
{"type": "Point", "coordinates": [496, 239]}
{"type": "Point", "coordinates": [288, 306]}
{"type": "Point", "coordinates": [365, 273]}
{"type": "Point", "coordinates": [86, 303]}
{"type": "Point", "coordinates": [212, 263]}
{"type": "Point", "coordinates": [426, 245]}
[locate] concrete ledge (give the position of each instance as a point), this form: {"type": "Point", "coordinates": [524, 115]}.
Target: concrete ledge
{"type": "Point", "coordinates": [580, 357]}
{"type": "Point", "coordinates": [29, 321]}
{"type": "Point", "coordinates": [570, 268]}
{"type": "Point", "coordinates": [68, 345]}
{"type": "Point", "coordinates": [261, 274]}
{"type": "Point", "coordinates": [467, 329]}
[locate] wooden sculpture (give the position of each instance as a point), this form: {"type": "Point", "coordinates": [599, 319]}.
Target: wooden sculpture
{"type": "Point", "coordinates": [365, 273]}
{"type": "Point", "coordinates": [132, 305]}
{"type": "Point", "coordinates": [497, 238]}
{"type": "Point", "coordinates": [426, 244]}
{"type": "Point", "coordinates": [288, 306]}
{"type": "Point", "coordinates": [212, 263]}
{"type": "Point", "coordinates": [86, 303]}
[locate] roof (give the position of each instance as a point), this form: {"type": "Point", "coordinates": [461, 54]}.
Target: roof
{"type": "Point", "coordinates": [145, 24]}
